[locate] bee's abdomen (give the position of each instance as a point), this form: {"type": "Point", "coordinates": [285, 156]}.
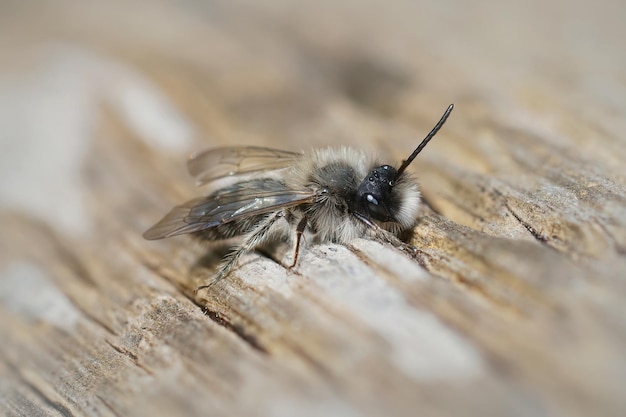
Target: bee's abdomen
{"type": "Point", "coordinates": [229, 230]}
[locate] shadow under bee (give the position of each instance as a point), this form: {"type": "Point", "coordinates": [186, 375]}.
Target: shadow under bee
{"type": "Point", "coordinates": [205, 266]}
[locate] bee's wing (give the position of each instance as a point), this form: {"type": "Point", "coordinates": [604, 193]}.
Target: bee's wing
{"type": "Point", "coordinates": [206, 212]}
{"type": "Point", "coordinates": [237, 160]}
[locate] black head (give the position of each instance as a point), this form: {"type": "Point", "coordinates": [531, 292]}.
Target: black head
{"type": "Point", "coordinates": [375, 199]}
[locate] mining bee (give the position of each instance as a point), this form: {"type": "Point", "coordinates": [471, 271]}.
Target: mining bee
{"type": "Point", "coordinates": [327, 195]}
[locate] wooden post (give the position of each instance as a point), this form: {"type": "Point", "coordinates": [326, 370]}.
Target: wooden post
{"type": "Point", "coordinates": [513, 304]}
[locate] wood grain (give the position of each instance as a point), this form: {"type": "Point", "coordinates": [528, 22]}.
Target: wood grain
{"type": "Point", "coordinates": [513, 304]}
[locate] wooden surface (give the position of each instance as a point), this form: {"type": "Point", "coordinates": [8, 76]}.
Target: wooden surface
{"type": "Point", "coordinates": [514, 306]}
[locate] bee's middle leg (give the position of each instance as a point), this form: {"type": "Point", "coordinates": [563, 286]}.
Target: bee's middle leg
{"type": "Point", "coordinates": [299, 232]}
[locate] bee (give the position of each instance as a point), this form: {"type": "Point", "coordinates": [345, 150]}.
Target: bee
{"type": "Point", "coordinates": [327, 195]}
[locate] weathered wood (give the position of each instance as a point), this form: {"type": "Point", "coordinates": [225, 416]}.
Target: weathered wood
{"type": "Point", "coordinates": [513, 304]}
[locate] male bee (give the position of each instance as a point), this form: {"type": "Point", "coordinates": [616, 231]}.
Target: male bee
{"type": "Point", "coordinates": [328, 195]}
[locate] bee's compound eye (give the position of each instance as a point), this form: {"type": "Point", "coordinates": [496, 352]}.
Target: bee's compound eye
{"type": "Point", "coordinates": [376, 210]}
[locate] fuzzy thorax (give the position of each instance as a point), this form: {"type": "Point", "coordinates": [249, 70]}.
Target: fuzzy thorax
{"type": "Point", "coordinates": [335, 175]}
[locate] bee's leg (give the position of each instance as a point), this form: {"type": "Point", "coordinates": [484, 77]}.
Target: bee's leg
{"type": "Point", "coordinates": [299, 231]}
{"type": "Point", "coordinates": [384, 236]}
{"type": "Point", "coordinates": [253, 239]}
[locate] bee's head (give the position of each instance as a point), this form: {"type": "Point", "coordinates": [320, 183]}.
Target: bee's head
{"type": "Point", "coordinates": [376, 198]}
{"type": "Point", "coordinates": [374, 195]}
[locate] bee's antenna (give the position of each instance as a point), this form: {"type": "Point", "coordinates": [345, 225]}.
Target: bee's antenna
{"type": "Point", "coordinates": [427, 139]}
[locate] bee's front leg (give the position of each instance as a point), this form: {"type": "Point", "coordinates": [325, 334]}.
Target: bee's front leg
{"type": "Point", "coordinates": [383, 236]}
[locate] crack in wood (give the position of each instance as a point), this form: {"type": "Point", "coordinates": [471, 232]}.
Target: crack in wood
{"type": "Point", "coordinates": [236, 329]}
{"type": "Point", "coordinates": [538, 236]}
{"type": "Point", "coordinates": [132, 356]}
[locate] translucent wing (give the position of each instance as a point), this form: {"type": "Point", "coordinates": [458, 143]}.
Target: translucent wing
{"type": "Point", "coordinates": [224, 207]}
{"type": "Point", "coordinates": [237, 160]}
